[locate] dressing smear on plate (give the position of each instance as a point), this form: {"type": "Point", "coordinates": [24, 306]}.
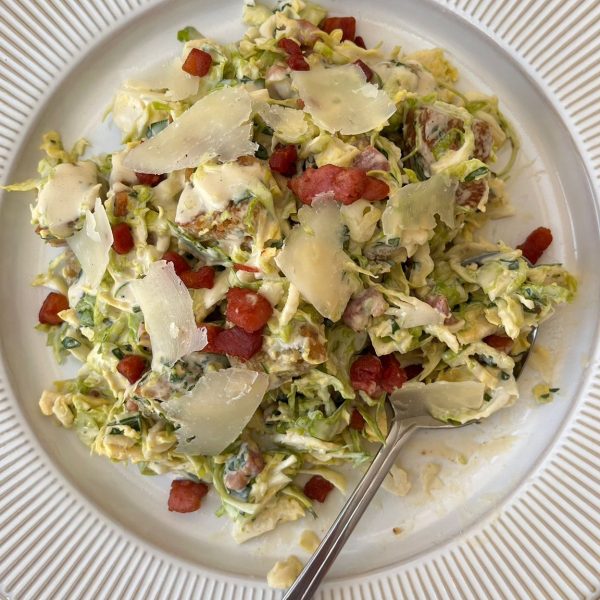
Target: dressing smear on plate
{"type": "Point", "coordinates": [287, 235]}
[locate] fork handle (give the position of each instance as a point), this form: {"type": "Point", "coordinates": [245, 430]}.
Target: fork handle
{"type": "Point", "coordinates": [309, 579]}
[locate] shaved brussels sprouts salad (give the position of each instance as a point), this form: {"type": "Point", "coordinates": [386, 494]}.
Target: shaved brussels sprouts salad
{"type": "Point", "coordinates": [290, 232]}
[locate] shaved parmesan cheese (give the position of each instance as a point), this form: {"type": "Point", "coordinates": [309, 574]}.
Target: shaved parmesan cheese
{"type": "Point", "coordinates": [288, 124]}
{"type": "Point", "coordinates": [168, 316]}
{"type": "Point", "coordinates": [91, 245]}
{"type": "Point", "coordinates": [214, 413]}
{"type": "Point", "coordinates": [217, 126]}
{"type": "Point", "coordinates": [459, 401]}
{"type": "Point", "coordinates": [68, 193]}
{"type": "Point", "coordinates": [168, 76]}
{"type": "Point", "coordinates": [314, 261]}
{"type": "Point", "coordinates": [213, 187]}
{"type": "Point", "coordinates": [414, 206]}
{"type": "Point", "coordinates": [340, 99]}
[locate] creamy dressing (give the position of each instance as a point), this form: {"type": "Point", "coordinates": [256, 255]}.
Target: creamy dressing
{"type": "Point", "coordinates": [214, 187]}
{"type": "Point", "coordinates": [70, 191]}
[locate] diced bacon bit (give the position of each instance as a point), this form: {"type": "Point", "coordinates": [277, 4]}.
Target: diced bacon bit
{"type": "Point", "coordinates": [247, 309]}
{"type": "Point", "coordinates": [289, 46]}
{"type": "Point", "coordinates": [362, 307]}
{"type": "Point", "coordinates": [247, 268]}
{"type": "Point", "coordinates": [237, 342]}
{"type": "Point", "coordinates": [297, 62]}
{"type": "Point", "coordinates": [122, 238]}
{"type": "Point", "coordinates": [203, 278]}
{"type": "Point", "coordinates": [393, 375]}
{"type": "Point", "coordinates": [179, 263]}
{"type": "Point", "coordinates": [370, 159]}
{"type": "Point", "coordinates": [435, 124]}
{"type": "Point", "coordinates": [131, 405]}
{"type": "Point", "coordinates": [149, 179]}
{"type": "Point", "coordinates": [346, 185]}
{"type": "Point", "coordinates": [253, 466]}
{"type": "Point", "coordinates": [500, 342]}
{"type": "Point", "coordinates": [52, 305]}
{"type": "Point", "coordinates": [413, 371]}
{"type": "Point", "coordinates": [535, 244]}
{"type": "Point", "coordinates": [212, 332]}
{"type": "Point", "coordinates": [471, 193]}
{"type": "Point", "coordinates": [346, 24]}
{"type": "Point", "coordinates": [483, 139]}
{"type": "Point", "coordinates": [375, 190]}
{"type": "Point", "coordinates": [358, 40]}
{"type": "Point", "coordinates": [197, 63]}
{"type": "Point", "coordinates": [365, 374]}
{"type": "Point", "coordinates": [372, 374]}
{"type": "Point", "coordinates": [132, 367]}
{"type": "Point", "coordinates": [409, 134]}
{"type": "Point", "coordinates": [121, 204]}
{"type": "Point", "coordinates": [186, 496]}
{"type": "Point", "coordinates": [365, 69]}
{"type": "Point", "coordinates": [357, 421]}
{"type": "Point", "coordinates": [283, 160]}
{"type": "Point", "coordinates": [317, 488]}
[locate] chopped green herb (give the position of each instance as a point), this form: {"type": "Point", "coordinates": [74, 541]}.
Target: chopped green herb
{"type": "Point", "coordinates": [476, 174]}
{"type": "Point", "coordinates": [69, 342]}
{"type": "Point", "coordinates": [188, 33]}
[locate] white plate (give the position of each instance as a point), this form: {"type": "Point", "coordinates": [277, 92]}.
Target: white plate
{"type": "Point", "coordinates": [520, 520]}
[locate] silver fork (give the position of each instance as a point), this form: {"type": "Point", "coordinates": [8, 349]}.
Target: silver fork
{"type": "Point", "coordinates": [407, 418]}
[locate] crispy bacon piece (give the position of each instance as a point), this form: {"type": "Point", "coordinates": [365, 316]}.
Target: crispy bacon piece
{"type": "Point", "coordinates": [197, 63]}
{"type": "Point", "coordinates": [252, 466]}
{"type": "Point", "coordinates": [149, 179]}
{"type": "Point", "coordinates": [360, 42]}
{"type": "Point", "coordinates": [365, 374]}
{"type": "Point", "coordinates": [500, 342]}
{"type": "Point", "coordinates": [483, 140]}
{"type": "Point", "coordinates": [121, 204]}
{"type": "Point", "coordinates": [283, 160]}
{"type": "Point", "coordinates": [179, 263]}
{"type": "Point", "coordinates": [535, 244]}
{"type": "Point", "coordinates": [289, 46]}
{"type": "Point", "coordinates": [248, 309]}
{"type": "Point", "coordinates": [122, 238]}
{"type": "Point", "coordinates": [370, 159]}
{"type": "Point", "coordinates": [297, 62]}
{"type": "Point", "coordinates": [346, 185]}
{"type": "Point", "coordinates": [413, 371]}
{"type": "Point", "coordinates": [203, 278]}
{"type": "Point", "coordinates": [367, 304]}
{"type": "Point", "coordinates": [471, 193]}
{"type": "Point", "coordinates": [365, 69]}
{"type": "Point", "coordinates": [186, 496]}
{"type": "Point", "coordinates": [346, 24]}
{"type": "Point", "coordinates": [357, 421]}
{"type": "Point", "coordinates": [237, 342]}
{"type": "Point", "coordinates": [212, 332]}
{"type": "Point", "coordinates": [131, 367]}
{"type": "Point", "coordinates": [247, 268]}
{"type": "Point", "coordinates": [317, 488]}
{"type": "Point", "coordinates": [52, 305]}
{"type": "Point", "coordinates": [393, 375]}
